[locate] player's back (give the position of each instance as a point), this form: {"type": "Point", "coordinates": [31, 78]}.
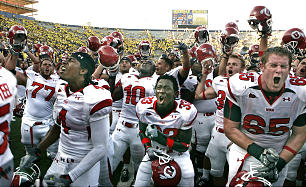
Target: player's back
{"type": "Point", "coordinates": [134, 88]}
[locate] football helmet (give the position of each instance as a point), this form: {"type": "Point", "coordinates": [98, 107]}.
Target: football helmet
{"type": "Point", "coordinates": [232, 24]}
{"type": "Point", "coordinates": [17, 36]}
{"type": "Point", "coordinates": [254, 54]}
{"type": "Point", "coordinates": [19, 108]}
{"type": "Point", "coordinates": [247, 179]}
{"type": "Point", "coordinates": [46, 50]}
{"type": "Point", "coordinates": [229, 38]}
{"type": "Point", "coordinates": [36, 48]}
{"type": "Point", "coordinates": [261, 20]}
{"type": "Point", "coordinates": [294, 40]}
{"type": "Point", "coordinates": [109, 58]}
{"type": "Point", "coordinates": [206, 52]}
{"type": "Point", "coordinates": [83, 49]}
{"type": "Point", "coordinates": [132, 58]}
{"type": "Point", "coordinates": [93, 43]}
{"type": "Point", "coordinates": [201, 35]}
{"type": "Point", "coordinates": [165, 171]}
{"type": "Point", "coordinates": [25, 177]}
{"type": "Point", "coordinates": [144, 48]}
{"type": "Point", "coordinates": [113, 42]}
{"type": "Point", "coordinates": [119, 39]}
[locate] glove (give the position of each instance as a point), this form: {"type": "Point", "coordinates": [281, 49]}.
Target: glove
{"type": "Point", "coordinates": [12, 51]}
{"type": "Point", "coordinates": [58, 180]}
{"type": "Point", "coordinates": [151, 131]}
{"type": "Point", "coordinates": [264, 30]}
{"type": "Point", "coordinates": [265, 172]}
{"type": "Point", "coordinates": [152, 152]}
{"type": "Point", "coordinates": [269, 158]}
{"type": "Point", "coordinates": [27, 160]}
{"type": "Point", "coordinates": [182, 46]}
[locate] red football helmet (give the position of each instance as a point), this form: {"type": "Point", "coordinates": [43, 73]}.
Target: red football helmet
{"type": "Point", "coordinates": [165, 171]}
{"type": "Point", "coordinates": [201, 35]}
{"type": "Point", "coordinates": [46, 50]}
{"type": "Point", "coordinates": [144, 48]}
{"type": "Point", "coordinates": [232, 24]}
{"type": "Point", "coordinates": [83, 49]}
{"type": "Point", "coordinates": [294, 40]}
{"type": "Point", "coordinates": [119, 47]}
{"type": "Point", "coordinates": [17, 36]}
{"type": "Point", "coordinates": [93, 43]}
{"type": "Point", "coordinates": [245, 178]}
{"type": "Point", "coordinates": [254, 54]}
{"type": "Point", "coordinates": [261, 19]}
{"type": "Point", "coordinates": [109, 58]}
{"type": "Point", "coordinates": [205, 52]}
{"type": "Point", "coordinates": [36, 48]}
{"type": "Point", "coordinates": [26, 176]}
{"type": "Point", "coordinates": [229, 38]}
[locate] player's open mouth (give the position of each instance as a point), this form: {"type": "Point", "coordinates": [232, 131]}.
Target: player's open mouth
{"type": "Point", "coordinates": [230, 72]}
{"type": "Point", "coordinates": [161, 98]}
{"type": "Point", "coordinates": [276, 80]}
{"type": "Point", "coordinates": [62, 69]}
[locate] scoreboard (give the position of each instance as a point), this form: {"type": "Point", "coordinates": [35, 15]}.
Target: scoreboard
{"type": "Point", "coordinates": [189, 18]}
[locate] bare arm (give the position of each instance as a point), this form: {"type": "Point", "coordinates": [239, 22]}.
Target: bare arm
{"type": "Point", "coordinates": [52, 135]}
{"type": "Point", "coordinates": [11, 65]}
{"type": "Point", "coordinates": [35, 61]}
{"type": "Point", "coordinates": [263, 45]}
{"type": "Point", "coordinates": [200, 92]}
{"type": "Point", "coordinates": [186, 65]}
{"type": "Point", "coordinates": [98, 72]}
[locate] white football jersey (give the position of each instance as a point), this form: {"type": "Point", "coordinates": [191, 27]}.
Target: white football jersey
{"type": "Point", "coordinates": [74, 112]}
{"type": "Point", "coordinates": [203, 106]}
{"type": "Point", "coordinates": [8, 91]}
{"type": "Point", "coordinates": [219, 84]}
{"type": "Point", "coordinates": [268, 124]}
{"type": "Point", "coordinates": [40, 97]}
{"type": "Point", "coordinates": [134, 88]}
{"type": "Point", "coordinates": [180, 118]}
{"type": "Point", "coordinates": [117, 104]}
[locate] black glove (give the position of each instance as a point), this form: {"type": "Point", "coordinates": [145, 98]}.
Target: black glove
{"type": "Point", "coordinates": [58, 180]}
{"type": "Point", "coordinates": [153, 152]}
{"type": "Point", "coordinates": [182, 46]}
{"type": "Point", "coordinates": [29, 159]}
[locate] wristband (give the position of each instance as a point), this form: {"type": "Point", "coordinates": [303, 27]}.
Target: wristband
{"type": "Point", "coordinates": [290, 150]}
{"type": "Point", "coordinates": [255, 150]}
{"type": "Point", "coordinates": [280, 164]}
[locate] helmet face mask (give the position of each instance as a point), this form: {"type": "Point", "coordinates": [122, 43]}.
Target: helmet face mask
{"type": "Point", "coordinates": [17, 36]}
{"type": "Point", "coordinates": [294, 40]}
{"type": "Point", "coordinates": [145, 49]}
{"type": "Point", "coordinates": [203, 36]}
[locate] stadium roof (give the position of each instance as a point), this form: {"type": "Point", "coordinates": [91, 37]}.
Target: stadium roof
{"type": "Point", "coordinates": [17, 6]}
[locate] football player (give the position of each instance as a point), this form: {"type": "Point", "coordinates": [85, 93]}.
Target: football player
{"type": "Point", "coordinates": [82, 108]}
{"type": "Point", "coordinates": [131, 89]}
{"type": "Point", "coordinates": [8, 92]}
{"type": "Point", "coordinates": [259, 113]}
{"type": "Point", "coordinates": [165, 126]}
{"type": "Point", "coordinates": [40, 88]}
{"type": "Point", "coordinates": [217, 147]}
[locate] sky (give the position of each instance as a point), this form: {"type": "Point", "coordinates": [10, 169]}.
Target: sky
{"type": "Point", "coordinates": [157, 14]}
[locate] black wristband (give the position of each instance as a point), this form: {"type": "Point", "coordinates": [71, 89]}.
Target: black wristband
{"type": "Point", "coordinates": [255, 150]}
{"type": "Point", "coordinates": [280, 164]}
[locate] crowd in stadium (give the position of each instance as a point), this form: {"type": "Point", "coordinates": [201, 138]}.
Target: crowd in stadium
{"type": "Point", "coordinates": [174, 108]}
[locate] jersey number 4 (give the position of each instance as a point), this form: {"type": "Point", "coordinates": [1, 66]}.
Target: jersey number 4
{"type": "Point", "coordinates": [41, 86]}
{"type": "Point", "coordinates": [258, 128]}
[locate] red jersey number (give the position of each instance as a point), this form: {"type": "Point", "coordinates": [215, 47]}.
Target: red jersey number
{"type": "Point", "coordinates": [220, 101]}
{"type": "Point", "coordinates": [260, 124]}
{"type": "Point", "coordinates": [247, 77]}
{"type": "Point", "coordinates": [131, 94]}
{"type": "Point", "coordinates": [41, 86]}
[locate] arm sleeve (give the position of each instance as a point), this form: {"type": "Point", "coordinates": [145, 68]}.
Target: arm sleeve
{"type": "Point", "coordinates": [232, 111]}
{"type": "Point", "coordinates": [99, 138]}
{"type": "Point", "coordinates": [300, 120]}
{"type": "Point", "coordinates": [144, 139]}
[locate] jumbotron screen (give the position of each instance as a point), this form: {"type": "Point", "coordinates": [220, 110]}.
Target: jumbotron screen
{"type": "Point", "coordinates": [189, 18]}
